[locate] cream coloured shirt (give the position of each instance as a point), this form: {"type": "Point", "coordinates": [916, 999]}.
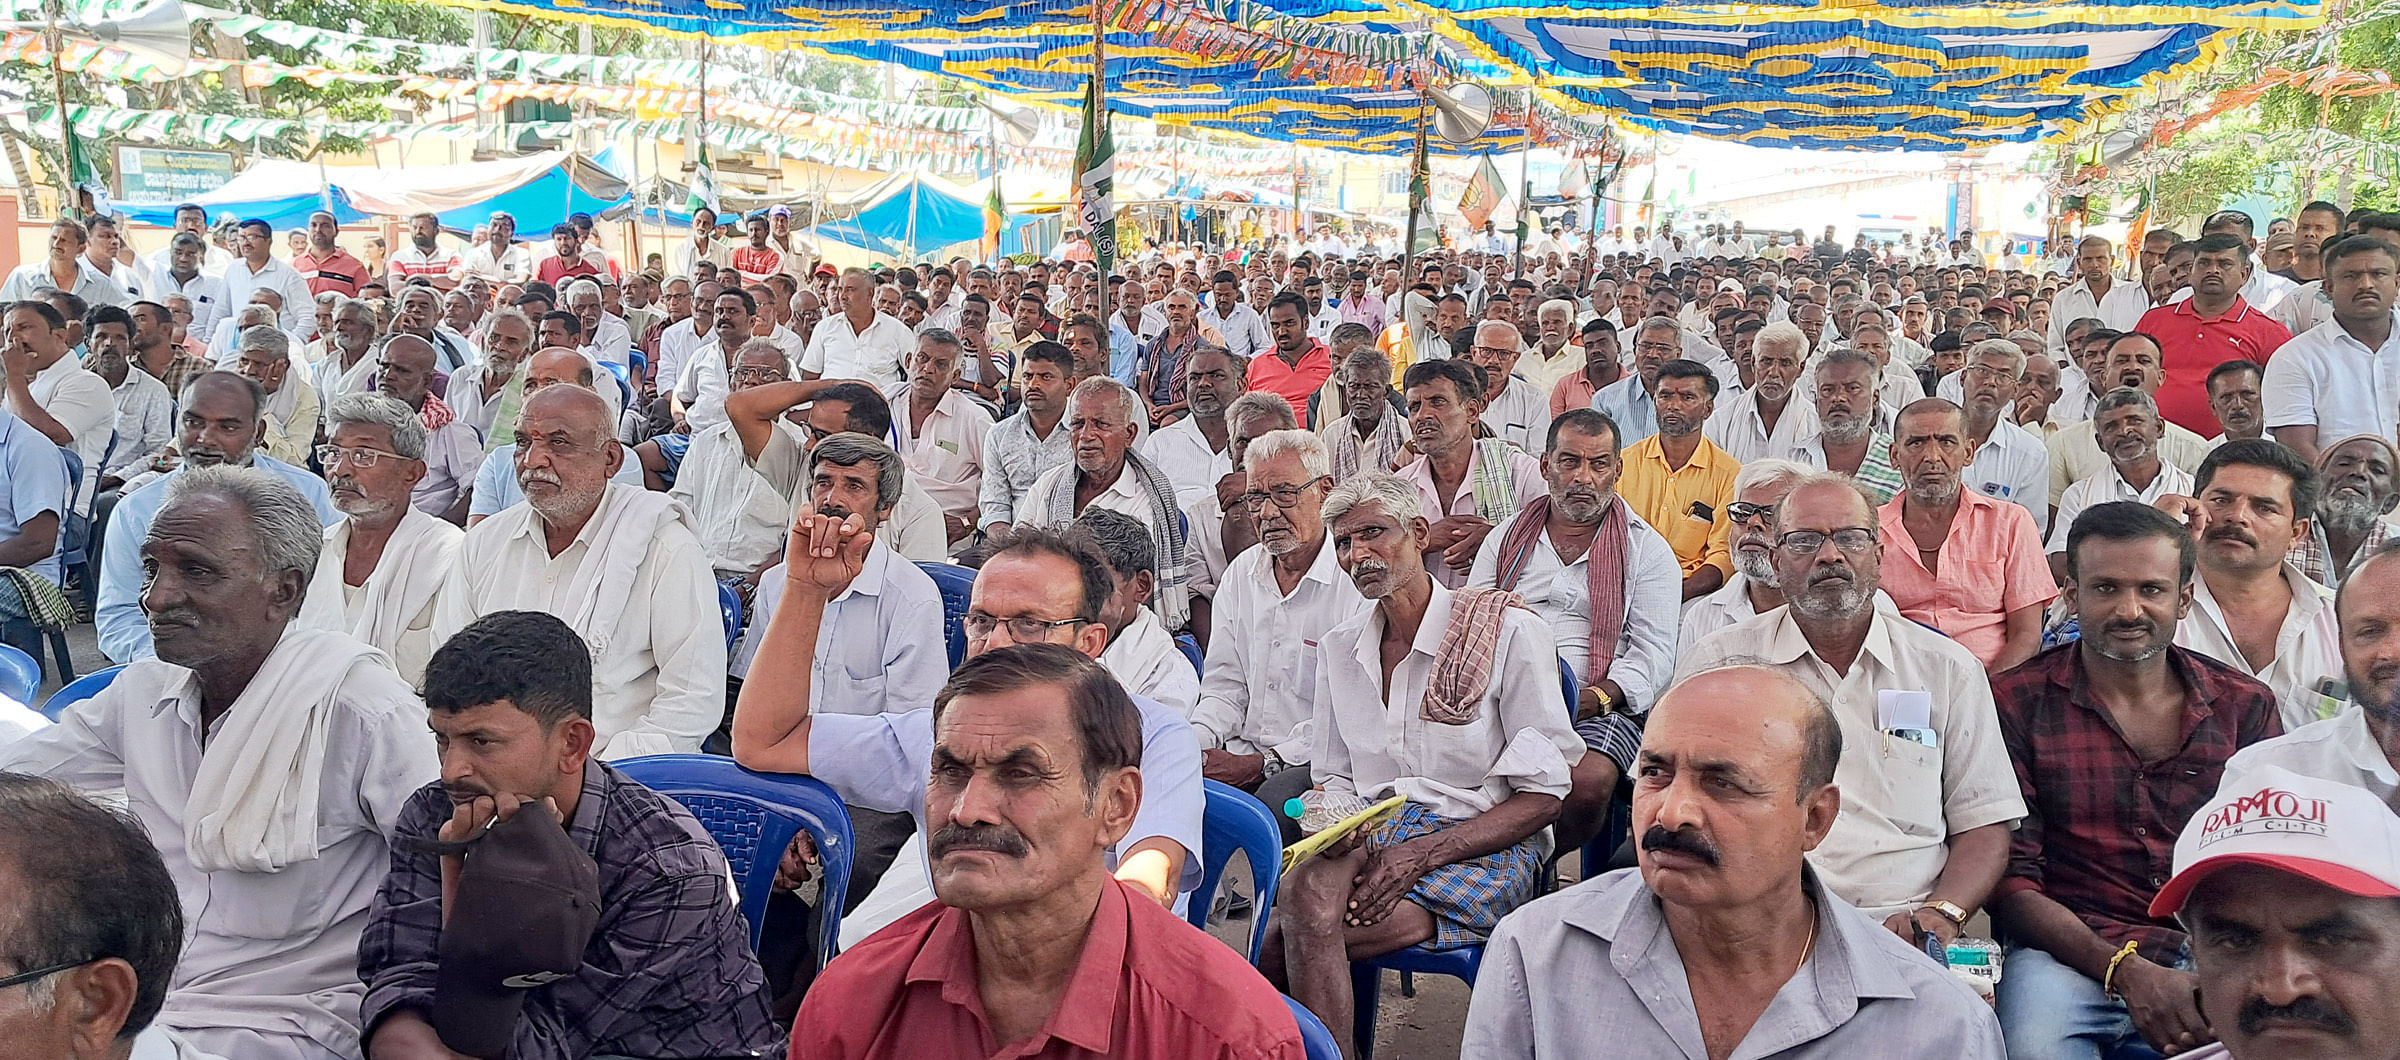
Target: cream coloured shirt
{"type": "Point", "coordinates": [2308, 647]}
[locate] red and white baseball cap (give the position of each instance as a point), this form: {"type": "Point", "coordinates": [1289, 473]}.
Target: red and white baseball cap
{"type": "Point", "coordinates": [2336, 834]}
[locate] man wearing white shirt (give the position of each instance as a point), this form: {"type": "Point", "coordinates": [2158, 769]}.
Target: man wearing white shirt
{"type": "Point", "coordinates": [2128, 429]}
{"type": "Point", "coordinates": [1609, 586]}
{"type": "Point", "coordinates": [65, 269]}
{"type": "Point", "coordinates": [2360, 745]}
{"type": "Point", "coordinates": [1141, 653]}
{"type": "Point", "coordinates": [1106, 472]}
{"type": "Point", "coordinates": [190, 219]}
{"type": "Point", "coordinates": [707, 373]}
{"type": "Point", "coordinates": [110, 261]}
{"type": "Point", "coordinates": [1763, 420]}
{"type": "Point", "coordinates": [510, 263]}
{"type": "Point", "coordinates": [1273, 606]}
{"type": "Point", "coordinates": [606, 338]}
{"type": "Point", "coordinates": [679, 340]}
{"type": "Point", "coordinates": [1192, 450]}
{"type": "Point", "coordinates": [2251, 608]}
{"type": "Point", "coordinates": [942, 430]}
{"type": "Point", "coordinates": [276, 827]}
{"type": "Point", "coordinates": [1418, 698]}
{"type": "Point", "coordinates": [2009, 463]}
{"type": "Point", "coordinates": [1516, 411]}
{"type": "Point", "coordinates": [1929, 797]}
{"type": "Point", "coordinates": [619, 564]}
{"type": "Point", "coordinates": [2342, 377]}
{"type": "Point", "coordinates": [54, 395]}
{"type": "Point", "coordinates": [259, 267]}
{"type": "Point", "coordinates": [1244, 331]}
{"type": "Point", "coordinates": [2097, 294]}
{"type": "Point", "coordinates": [179, 273]}
{"type": "Point", "coordinates": [702, 245]}
{"type": "Point", "coordinates": [740, 504]}
{"type": "Point", "coordinates": [858, 342]}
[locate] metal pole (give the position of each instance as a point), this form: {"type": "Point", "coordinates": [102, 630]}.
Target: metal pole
{"type": "Point", "coordinates": [1524, 185]}
{"type": "Point", "coordinates": [1416, 179]}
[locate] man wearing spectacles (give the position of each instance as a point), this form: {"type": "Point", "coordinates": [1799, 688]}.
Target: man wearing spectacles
{"type": "Point", "coordinates": [1516, 411]}
{"type": "Point", "coordinates": [1629, 401]}
{"type": "Point", "coordinates": [1038, 587]}
{"type": "Point", "coordinates": [739, 505]}
{"type": "Point", "coordinates": [1928, 793]}
{"type": "Point", "coordinates": [453, 448]}
{"type": "Point", "coordinates": [385, 560]}
{"type": "Point", "coordinates": [91, 968]}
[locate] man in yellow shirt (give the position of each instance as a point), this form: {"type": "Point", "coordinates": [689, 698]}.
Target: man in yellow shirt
{"type": "Point", "coordinates": [1680, 482]}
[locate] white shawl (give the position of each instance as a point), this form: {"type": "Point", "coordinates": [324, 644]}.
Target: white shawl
{"type": "Point", "coordinates": [401, 587]}
{"type": "Point", "coordinates": [622, 529]}
{"type": "Point", "coordinates": [253, 806]}
{"type": "Point", "coordinates": [1146, 661]}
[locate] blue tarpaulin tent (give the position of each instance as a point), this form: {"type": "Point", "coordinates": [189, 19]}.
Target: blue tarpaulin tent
{"type": "Point", "coordinates": [538, 190]}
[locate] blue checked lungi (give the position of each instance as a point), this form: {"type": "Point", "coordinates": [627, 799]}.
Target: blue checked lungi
{"type": "Point", "coordinates": [1469, 897]}
{"type": "Point", "coordinates": [671, 448]}
{"type": "Point", "coordinates": [1619, 736]}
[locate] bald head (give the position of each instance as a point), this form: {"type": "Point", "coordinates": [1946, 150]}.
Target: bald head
{"type": "Point", "coordinates": [1775, 720]}
{"type": "Point", "coordinates": [1733, 788]}
{"type": "Point", "coordinates": [557, 364]}
{"type": "Point", "coordinates": [405, 370]}
{"type": "Point", "coordinates": [576, 406]}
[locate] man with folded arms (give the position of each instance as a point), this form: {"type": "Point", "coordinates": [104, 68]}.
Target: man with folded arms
{"type": "Point", "coordinates": [619, 563]}
{"type": "Point", "coordinates": [380, 567]}
{"type": "Point", "coordinates": [1449, 700]}
{"type": "Point", "coordinates": [276, 827]}
{"type": "Point", "coordinates": [658, 965]}
{"type": "Point", "coordinates": [2116, 739]}
{"type": "Point", "coordinates": [1032, 949]}
{"type": "Point", "coordinates": [1725, 941]}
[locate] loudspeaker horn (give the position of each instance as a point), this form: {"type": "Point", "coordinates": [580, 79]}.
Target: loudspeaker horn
{"type": "Point", "coordinates": [159, 31]}
{"type": "Point", "coordinates": [1020, 121]}
{"type": "Point", "coordinates": [1461, 112]}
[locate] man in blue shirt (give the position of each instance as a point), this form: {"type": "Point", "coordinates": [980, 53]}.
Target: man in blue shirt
{"type": "Point", "coordinates": [33, 494]}
{"type": "Point", "coordinates": [217, 423]}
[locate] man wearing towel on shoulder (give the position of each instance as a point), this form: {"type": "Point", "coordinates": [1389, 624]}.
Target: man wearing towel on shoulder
{"type": "Point", "coordinates": [619, 564]}
{"type": "Point", "coordinates": [267, 760]}
{"type": "Point", "coordinates": [382, 564]}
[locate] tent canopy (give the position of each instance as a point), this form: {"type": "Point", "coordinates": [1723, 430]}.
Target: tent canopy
{"type": "Point", "coordinates": [1854, 75]}
{"type": "Point", "coordinates": [538, 190]}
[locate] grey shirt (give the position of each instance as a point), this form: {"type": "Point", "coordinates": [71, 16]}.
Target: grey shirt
{"type": "Point", "coordinates": [1592, 972]}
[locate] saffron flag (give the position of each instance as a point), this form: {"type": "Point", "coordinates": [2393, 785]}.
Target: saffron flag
{"type": "Point", "coordinates": [1483, 194]}
{"type": "Point", "coordinates": [995, 217]}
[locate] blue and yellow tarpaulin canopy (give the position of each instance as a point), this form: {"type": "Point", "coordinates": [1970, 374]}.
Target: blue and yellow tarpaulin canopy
{"type": "Point", "coordinates": [1832, 74]}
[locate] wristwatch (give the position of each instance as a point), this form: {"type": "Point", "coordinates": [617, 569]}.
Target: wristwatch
{"type": "Point", "coordinates": [1947, 911]}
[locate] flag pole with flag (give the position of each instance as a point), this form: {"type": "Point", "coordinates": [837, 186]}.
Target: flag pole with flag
{"type": "Point", "coordinates": [995, 218]}
{"type": "Point", "coordinates": [1095, 181]}
{"type": "Point", "coordinates": [1483, 194]}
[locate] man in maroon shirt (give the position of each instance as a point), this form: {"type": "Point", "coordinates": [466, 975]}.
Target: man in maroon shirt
{"type": "Point", "coordinates": [2211, 327]}
{"type": "Point", "coordinates": [568, 262]}
{"type": "Point", "coordinates": [2117, 740]}
{"type": "Point", "coordinates": [1033, 949]}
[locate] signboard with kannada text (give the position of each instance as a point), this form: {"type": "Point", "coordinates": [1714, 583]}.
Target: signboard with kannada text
{"type": "Point", "coordinates": [155, 174]}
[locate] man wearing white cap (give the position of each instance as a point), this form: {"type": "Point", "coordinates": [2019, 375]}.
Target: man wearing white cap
{"type": "Point", "coordinates": [2290, 886]}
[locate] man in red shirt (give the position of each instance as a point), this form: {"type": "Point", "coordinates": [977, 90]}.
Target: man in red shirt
{"type": "Point", "coordinates": [325, 265]}
{"type": "Point", "coordinates": [1296, 365]}
{"type": "Point", "coordinates": [2211, 327]}
{"type": "Point", "coordinates": [567, 262]}
{"type": "Point", "coordinates": [759, 259]}
{"type": "Point", "coordinates": [1033, 949]}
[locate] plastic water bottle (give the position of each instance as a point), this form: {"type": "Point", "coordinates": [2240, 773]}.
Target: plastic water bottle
{"type": "Point", "coordinates": [1977, 963]}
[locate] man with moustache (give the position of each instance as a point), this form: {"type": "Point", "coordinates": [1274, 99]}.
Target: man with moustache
{"type": "Point", "coordinates": [1369, 436]}
{"type": "Point", "coordinates": [453, 450]}
{"type": "Point", "coordinates": [2128, 426]}
{"type": "Point", "coordinates": [665, 968]}
{"type": "Point", "coordinates": [1448, 699]}
{"type": "Point", "coordinates": [1470, 483]}
{"type": "Point", "coordinates": [1272, 607]}
{"type": "Point", "coordinates": [1629, 402]}
{"type": "Point", "coordinates": [942, 431]}
{"type": "Point", "coordinates": [2290, 885]}
{"type": "Point", "coordinates": [486, 394]}
{"type": "Point", "coordinates": [1027, 443]}
{"type": "Point", "coordinates": [2010, 463]}
{"type": "Point", "coordinates": [2359, 745]}
{"type": "Point", "coordinates": [219, 418]}
{"type": "Point", "coordinates": [1928, 799]}
{"type": "Point", "coordinates": [381, 565]}
{"type": "Point", "coordinates": [1762, 421]}
{"type": "Point", "coordinates": [1107, 473]}
{"type": "Point", "coordinates": [496, 488]}
{"type": "Point", "coordinates": [2357, 474]}
{"type": "Point", "coordinates": [1515, 411]}
{"type": "Point", "coordinates": [1192, 450]}
{"type": "Point", "coordinates": [707, 372]}
{"type": "Point", "coordinates": [1605, 581]}
{"type": "Point", "coordinates": [2233, 395]}
{"type": "Point", "coordinates": [1725, 941]}
{"type": "Point", "coordinates": [1954, 559]}
{"type": "Point", "coordinates": [1680, 481]}
{"type": "Point", "coordinates": [2324, 384]}
{"type": "Point", "coordinates": [740, 506]}
{"type": "Point", "coordinates": [2251, 609]}
{"type": "Point", "coordinates": [1848, 439]}
{"type": "Point", "coordinates": [618, 563]}
{"type": "Point", "coordinates": [2132, 360]}
{"type": "Point", "coordinates": [2117, 739]}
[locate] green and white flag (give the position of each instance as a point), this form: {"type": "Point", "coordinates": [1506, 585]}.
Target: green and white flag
{"type": "Point", "coordinates": [703, 185]}
{"type": "Point", "coordinates": [1096, 181]}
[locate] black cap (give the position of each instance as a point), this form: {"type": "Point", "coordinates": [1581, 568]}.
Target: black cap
{"type": "Point", "coordinates": [526, 905]}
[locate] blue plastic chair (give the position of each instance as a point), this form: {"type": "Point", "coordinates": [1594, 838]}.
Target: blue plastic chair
{"type": "Point", "coordinates": [20, 675]}
{"type": "Point", "coordinates": [1190, 647]}
{"type": "Point", "coordinates": [753, 817]}
{"type": "Point", "coordinates": [1366, 982]}
{"type": "Point", "coordinates": [78, 690]}
{"type": "Point", "coordinates": [1235, 820]}
{"type": "Point", "coordinates": [729, 606]}
{"type": "Point", "coordinates": [957, 586]}
{"type": "Point", "coordinates": [1315, 1041]}
{"type": "Point", "coordinates": [1574, 689]}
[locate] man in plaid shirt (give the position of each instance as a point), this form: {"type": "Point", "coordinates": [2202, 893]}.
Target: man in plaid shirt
{"type": "Point", "coordinates": [2117, 740]}
{"type": "Point", "coordinates": [668, 973]}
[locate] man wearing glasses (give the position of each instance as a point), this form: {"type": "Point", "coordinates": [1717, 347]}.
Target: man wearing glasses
{"type": "Point", "coordinates": [1628, 402]}
{"type": "Point", "coordinates": [453, 448]}
{"type": "Point", "coordinates": [383, 563]}
{"type": "Point", "coordinates": [1928, 796]}
{"type": "Point", "coordinates": [1273, 605]}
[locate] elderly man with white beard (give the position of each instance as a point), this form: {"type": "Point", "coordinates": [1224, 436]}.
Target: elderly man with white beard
{"type": "Point", "coordinates": [2357, 473]}
{"type": "Point", "coordinates": [380, 567]}
{"type": "Point", "coordinates": [1763, 420]}
{"type": "Point", "coordinates": [619, 564]}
